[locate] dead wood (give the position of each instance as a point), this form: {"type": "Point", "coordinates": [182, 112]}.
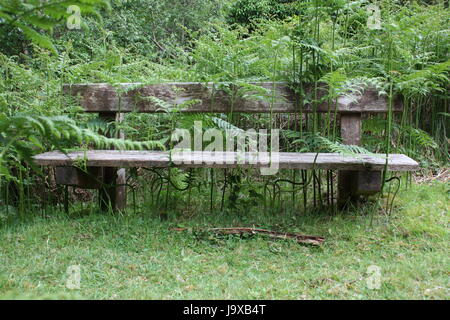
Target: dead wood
{"type": "Point", "coordinates": [300, 238]}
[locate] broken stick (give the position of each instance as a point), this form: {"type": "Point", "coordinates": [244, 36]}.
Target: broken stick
{"type": "Point", "coordinates": [300, 238]}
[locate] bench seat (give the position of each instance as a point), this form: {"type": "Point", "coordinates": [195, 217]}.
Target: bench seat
{"type": "Point", "coordinates": [198, 159]}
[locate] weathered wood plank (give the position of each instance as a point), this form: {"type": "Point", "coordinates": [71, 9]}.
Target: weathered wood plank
{"type": "Point", "coordinates": [351, 124]}
{"type": "Point", "coordinates": [367, 183]}
{"type": "Point", "coordinates": [196, 159]}
{"type": "Point", "coordinates": [277, 97]}
{"type": "Point", "coordinates": [71, 176]}
{"type": "Point", "coordinates": [348, 181]}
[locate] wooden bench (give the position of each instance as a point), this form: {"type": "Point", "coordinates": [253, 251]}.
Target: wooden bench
{"type": "Point", "coordinates": [358, 175]}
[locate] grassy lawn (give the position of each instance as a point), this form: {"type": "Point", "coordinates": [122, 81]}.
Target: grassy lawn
{"type": "Point", "coordinates": [139, 257]}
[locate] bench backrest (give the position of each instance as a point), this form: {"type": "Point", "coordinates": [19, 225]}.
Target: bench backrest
{"type": "Point", "coordinates": [275, 97]}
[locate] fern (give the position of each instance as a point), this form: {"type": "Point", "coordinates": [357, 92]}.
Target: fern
{"type": "Point", "coordinates": [225, 125]}
{"type": "Point", "coordinates": [179, 178]}
{"type": "Point", "coordinates": [434, 78]}
{"type": "Point", "coordinates": [314, 142]}
{"type": "Point", "coordinates": [377, 126]}
{"type": "Point", "coordinates": [23, 136]}
{"type": "Point", "coordinates": [32, 15]}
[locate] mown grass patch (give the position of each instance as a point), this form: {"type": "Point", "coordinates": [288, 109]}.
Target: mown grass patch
{"type": "Point", "coordinates": [139, 257]}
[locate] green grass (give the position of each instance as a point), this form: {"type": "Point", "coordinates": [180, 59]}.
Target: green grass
{"type": "Point", "coordinates": [139, 257]}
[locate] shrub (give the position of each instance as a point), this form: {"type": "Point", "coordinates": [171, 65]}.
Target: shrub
{"type": "Point", "coordinates": [245, 11]}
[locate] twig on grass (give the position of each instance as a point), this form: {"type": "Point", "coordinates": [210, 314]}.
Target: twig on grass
{"type": "Point", "coordinates": [300, 238]}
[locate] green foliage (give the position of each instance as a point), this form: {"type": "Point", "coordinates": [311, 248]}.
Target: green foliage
{"type": "Point", "coordinates": [324, 41]}
{"type": "Point", "coordinates": [246, 12]}
{"type": "Point", "coordinates": [156, 29]}
{"type": "Point", "coordinates": [314, 142]}
{"type": "Point", "coordinates": [226, 126]}
{"type": "Point", "coordinates": [33, 16]}
{"type": "Point", "coordinates": [222, 54]}
{"type": "Point", "coordinates": [433, 78]}
{"type": "Point", "coordinates": [22, 136]}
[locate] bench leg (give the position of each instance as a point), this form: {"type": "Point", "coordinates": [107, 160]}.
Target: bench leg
{"type": "Point", "coordinates": [114, 195]}
{"type": "Point", "coordinates": [107, 194]}
{"type": "Point", "coordinates": [368, 183]}
{"type": "Point", "coordinates": [354, 184]}
{"type": "Point", "coordinates": [348, 180]}
{"type": "Point", "coordinates": [121, 190]}
{"type": "Point", "coordinates": [66, 199]}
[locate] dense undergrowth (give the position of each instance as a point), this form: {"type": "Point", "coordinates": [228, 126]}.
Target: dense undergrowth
{"type": "Point", "coordinates": [316, 41]}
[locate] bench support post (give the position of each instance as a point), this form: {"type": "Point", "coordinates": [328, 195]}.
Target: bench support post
{"type": "Point", "coordinates": [111, 196]}
{"type": "Point", "coordinates": [350, 134]}
{"type": "Point", "coordinates": [352, 184]}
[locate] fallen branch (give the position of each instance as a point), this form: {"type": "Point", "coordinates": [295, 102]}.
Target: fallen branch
{"type": "Point", "coordinates": [442, 175]}
{"type": "Point", "coordinates": [300, 238]}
